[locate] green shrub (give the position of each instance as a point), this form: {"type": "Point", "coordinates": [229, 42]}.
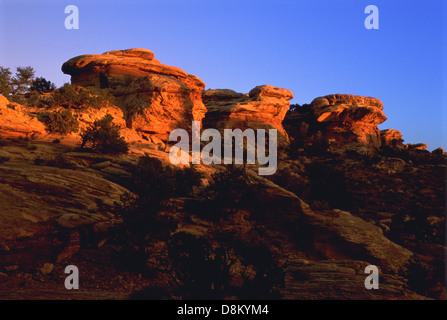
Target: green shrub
{"type": "Point", "coordinates": [61, 122]}
{"type": "Point", "coordinates": [76, 97]}
{"type": "Point", "coordinates": [42, 84]}
{"type": "Point", "coordinates": [18, 84]}
{"type": "Point", "coordinates": [103, 136]}
{"type": "Point", "coordinates": [35, 99]}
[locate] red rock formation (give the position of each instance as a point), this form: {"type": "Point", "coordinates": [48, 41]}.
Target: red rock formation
{"type": "Point", "coordinates": [391, 137]}
{"type": "Point", "coordinates": [15, 121]}
{"type": "Point", "coordinates": [263, 108]}
{"type": "Point", "coordinates": [350, 118]}
{"type": "Point", "coordinates": [417, 146]}
{"type": "Point", "coordinates": [155, 97]}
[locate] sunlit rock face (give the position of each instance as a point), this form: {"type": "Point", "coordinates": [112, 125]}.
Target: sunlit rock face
{"type": "Point", "coordinates": [156, 98]}
{"type": "Point", "coordinates": [350, 118]}
{"type": "Point", "coordinates": [264, 107]}
{"type": "Point", "coordinates": [391, 137]}
{"type": "Point", "coordinates": [16, 122]}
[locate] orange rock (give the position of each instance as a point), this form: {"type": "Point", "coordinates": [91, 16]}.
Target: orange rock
{"type": "Point", "coordinates": [156, 98]}
{"type": "Point", "coordinates": [391, 137]}
{"type": "Point", "coordinates": [350, 118]}
{"type": "Point", "coordinates": [16, 122]}
{"type": "Point", "coordinates": [263, 108]}
{"type": "Point", "coordinates": [417, 146]}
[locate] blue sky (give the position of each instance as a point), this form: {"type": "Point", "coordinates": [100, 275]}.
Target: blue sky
{"type": "Point", "coordinates": [312, 47]}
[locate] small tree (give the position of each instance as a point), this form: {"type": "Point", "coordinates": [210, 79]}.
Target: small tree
{"type": "Point", "coordinates": [18, 84]}
{"type": "Point", "coordinates": [42, 84]}
{"type": "Point", "coordinates": [62, 122]}
{"type": "Point", "coordinates": [103, 136]}
{"type": "Point", "coordinates": [5, 81]}
{"type": "Point", "coordinates": [22, 80]}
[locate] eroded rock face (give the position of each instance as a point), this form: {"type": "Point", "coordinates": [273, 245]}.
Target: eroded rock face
{"type": "Point", "coordinates": [350, 118]}
{"type": "Point", "coordinates": [417, 146]}
{"type": "Point", "coordinates": [158, 104]}
{"type": "Point", "coordinates": [264, 107]}
{"type": "Point", "coordinates": [155, 98]}
{"type": "Point", "coordinates": [391, 137]}
{"type": "Point", "coordinates": [16, 122]}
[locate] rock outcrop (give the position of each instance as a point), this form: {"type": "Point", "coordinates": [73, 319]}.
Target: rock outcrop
{"type": "Point", "coordinates": [155, 98]}
{"type": "Point", "coordinates": [16, 122]}
{"type": "Point", "coordinates": [417, 146]}
{"type": "Point", "coordinates": [391, 137]}
{"type": "Point", "coordinates": [264, 107]}
{"type": "Point", "coordinates": [350, 118]}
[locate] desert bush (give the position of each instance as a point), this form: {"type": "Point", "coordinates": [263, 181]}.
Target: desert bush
{"type": "Point", "coordinates": [103, 136]}
{"type": "Point", "coordinates": [35, 99]}
{"type": "Point", "coordinates": [305, 108]}
{"type": "Point", "coordinates": [61, 122]}
{"type": "Point", "coordinates": [229, 191]}
{"type": "Point", "coordinates": [41, 84]}
{"type": "Point", "coordinates": [5, 81]}
{"type": "Point", "coordinates": [76, 97]}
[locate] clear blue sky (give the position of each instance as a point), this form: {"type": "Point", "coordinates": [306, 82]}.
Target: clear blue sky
{"type": "Point", "coordinates": [312, 47]}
